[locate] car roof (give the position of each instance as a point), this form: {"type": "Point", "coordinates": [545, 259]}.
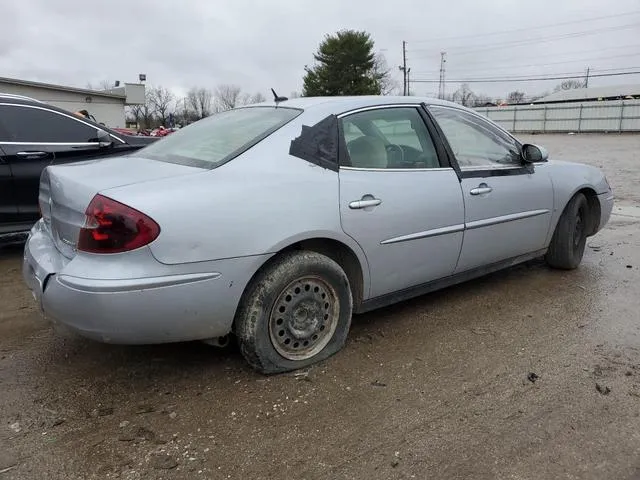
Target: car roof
{"type": "Point", "coordinates": [28, 101]}
{"type": "Point", "coordinates": [346, 103]}
{"type": "Point", "coordinates": [21, 99]}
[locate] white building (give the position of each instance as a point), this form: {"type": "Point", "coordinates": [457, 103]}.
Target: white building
{"type": "Point", "coordinates": [593, 94]}
{"type": "Point", "coordinates": [106, 107]}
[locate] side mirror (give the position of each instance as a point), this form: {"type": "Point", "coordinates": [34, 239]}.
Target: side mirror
{"type": "Point", "coordinates": [104, 139]}
{"type": "Point", "coordinates": [534, 153]}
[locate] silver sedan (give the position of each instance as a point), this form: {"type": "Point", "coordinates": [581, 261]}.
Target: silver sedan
{"type": "Point", "coordinates": [276, 222]}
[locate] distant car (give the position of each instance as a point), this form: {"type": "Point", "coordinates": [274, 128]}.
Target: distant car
{"type": "Point", "coordinates": [277, 222]}
{"type": "Point", "coordinates": [161, 132]}
{"type": "Point", "coordinates": [34, 135]}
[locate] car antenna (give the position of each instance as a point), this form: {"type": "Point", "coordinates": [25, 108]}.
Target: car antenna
{"type": "Point", "coordinates": [278, 99]}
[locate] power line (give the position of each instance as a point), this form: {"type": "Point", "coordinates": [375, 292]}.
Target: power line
{"type": "Point", "coordinates": [518, 43]}
{"type": "Point", "coordinates": [530, 79]}
{"type": "Point", "coordinates": [433, 72]}
{"type": "Point", "coordinates": [484, 60]}
{"type": "Point", "coordinates": [571, 22]}
{"type": "Point", "coordinates": [516, 77]}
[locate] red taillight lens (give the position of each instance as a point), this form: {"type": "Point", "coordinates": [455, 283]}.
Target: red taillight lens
{"type": "Point", "coordinates": [112, 227]}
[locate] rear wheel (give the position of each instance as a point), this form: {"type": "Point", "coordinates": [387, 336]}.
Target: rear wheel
{"type": "Point", "coordinates": [570, 237]}
{"type": "Point", "coordinates": [295, 313]}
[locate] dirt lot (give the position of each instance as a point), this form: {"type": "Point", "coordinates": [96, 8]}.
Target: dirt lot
{"type": "Point", "coordinates": [436, 387]}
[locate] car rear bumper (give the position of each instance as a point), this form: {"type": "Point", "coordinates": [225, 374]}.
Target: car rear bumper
{"type": "Point", "coordinates": [153, 309]}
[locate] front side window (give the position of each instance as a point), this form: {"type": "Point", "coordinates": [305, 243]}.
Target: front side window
{"type": "Point", "coordinates": [212, 141]}
{"type": "Point", "coordinates": [388, 138]}
{"type": "Point", "coordinates": [19, 123]}
{"type": "Point", "coordinates": [475, 143]}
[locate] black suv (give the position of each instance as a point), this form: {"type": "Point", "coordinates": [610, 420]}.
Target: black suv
{"type": "Point", "coordinates": [34, 135]}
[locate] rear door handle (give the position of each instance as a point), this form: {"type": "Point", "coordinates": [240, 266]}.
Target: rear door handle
{"type": "Point", "coordinates": [374, 202]}
{"type": "Point", "coordinates": [31, 154]}
{"type": "Point", "coordinates": [480, 189]}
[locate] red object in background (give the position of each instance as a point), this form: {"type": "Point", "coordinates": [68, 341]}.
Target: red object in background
{"type": "Point", "coordinates": [131, 131]}
{"type": "Point", "coordinates": [161, 132]}
{"type": "Point", "coordinates": [125, 131]}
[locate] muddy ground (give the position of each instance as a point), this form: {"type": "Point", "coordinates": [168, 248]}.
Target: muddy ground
{"type": "Point", "coordinates": [526, 374]}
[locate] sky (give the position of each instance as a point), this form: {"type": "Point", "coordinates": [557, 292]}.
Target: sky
{"type": "Point", "coordinates": [258, 45]}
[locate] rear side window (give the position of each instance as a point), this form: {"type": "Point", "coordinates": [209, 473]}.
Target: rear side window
{"type": "Point", "coordinates": [216, 139]}
{"type": "Point", "coordinates": [20, 123]}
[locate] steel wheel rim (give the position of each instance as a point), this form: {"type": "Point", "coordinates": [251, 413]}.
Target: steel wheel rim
{"type": "Point", "coordinates": [304, 318]}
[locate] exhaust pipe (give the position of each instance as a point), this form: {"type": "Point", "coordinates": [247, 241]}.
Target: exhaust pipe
{"type": "Point", "coordinates": [220, 342]}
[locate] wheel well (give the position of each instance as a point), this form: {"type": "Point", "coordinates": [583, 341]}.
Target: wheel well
{"type": "Point", "coordinates": [336, 251]}
{"type": "Point", "coordinates": [343, 256]}
{"type": "Point", "coordinates": [594, 209]}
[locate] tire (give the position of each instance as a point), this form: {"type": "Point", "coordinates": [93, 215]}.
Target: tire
{"type": "Point", "coordinates": [570, 237]}
{"type": "Point", "coordinates": [295, 313]}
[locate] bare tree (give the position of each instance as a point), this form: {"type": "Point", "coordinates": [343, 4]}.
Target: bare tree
{"type": "Point", "coordinates": [228, 97]}
{"type": "Point", "coordinates": [257, 98]}
{"type": "Point", "coordinates": [515, 97]}
{"type": "Point", "coordinates": [568, 85]}
{"type": "Point", "coordinates": [143, 114]}
{"type": "Point", "coordinates": [481, 100]}
{"type": "Point", "coordinates": [101, 85]}
{"type": "Point", "coordinates": [200, 101]}
{"type": "Point", "coordinates": [388, 85]}
{"type": "Point", "coordinates": [161, 99]}
{"type": "Point", "coordinates": [464, 96]}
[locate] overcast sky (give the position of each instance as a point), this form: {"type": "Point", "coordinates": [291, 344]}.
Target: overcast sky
{"type": "Point", "coordinates": [262, 44]}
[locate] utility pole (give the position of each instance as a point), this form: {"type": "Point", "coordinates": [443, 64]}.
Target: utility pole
{"type": "Point", "coordinates": [408, 81]}
{"type": "Point", "coordinates": [443, 60]}
{"type": "Point", "coordinates": [586, 79]}
{"type": "Point", "coordinates": [404, 64]}
{"type": "Point", "coordinates": [403, 68]}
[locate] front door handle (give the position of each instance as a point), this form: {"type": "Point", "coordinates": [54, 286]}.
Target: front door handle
{"type": "Point", "coordinates": [373, 202]}
{"type": "Point", "coordinates": [31, 154]}
{"type": "Point", "coordinates": [480, 189]}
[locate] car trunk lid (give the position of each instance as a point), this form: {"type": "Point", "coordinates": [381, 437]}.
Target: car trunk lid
{"type": "Point", "coordinates": [67, 190]}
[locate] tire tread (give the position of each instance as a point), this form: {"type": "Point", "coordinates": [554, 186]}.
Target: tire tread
{"type": "Point", "coordinates": [561, 253]}
{"type": "Point", "coordinates": [258, 296]}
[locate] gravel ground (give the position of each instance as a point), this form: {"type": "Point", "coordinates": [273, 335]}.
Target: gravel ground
{"type": "Point", "coordinates": [528, 373]}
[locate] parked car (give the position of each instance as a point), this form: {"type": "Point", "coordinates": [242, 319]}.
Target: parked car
{"type": "Point", "coordinates": [34, 135]}
{"type": "Point", "coordinates": [277, 222]}
{"type": "Point", "coordinates": [161, 131]}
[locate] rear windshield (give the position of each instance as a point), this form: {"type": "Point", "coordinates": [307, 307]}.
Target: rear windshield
{"type": "Point", "coordinates": [214, 140]}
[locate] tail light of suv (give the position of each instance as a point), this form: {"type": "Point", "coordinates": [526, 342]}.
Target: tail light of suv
{"type": "Point", "coordinates": [112, 227]}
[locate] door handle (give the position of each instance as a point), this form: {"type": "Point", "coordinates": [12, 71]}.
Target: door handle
{"type": "Point", "coordinates": [32, 154]}
{"type": "Point", "coordinates": [374, 202]}
{"type": "Point", "coordinates": [480, 189]}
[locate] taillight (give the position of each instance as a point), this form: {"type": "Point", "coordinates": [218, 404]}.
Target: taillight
{"type": "Point", "coordinates": [112, 227]}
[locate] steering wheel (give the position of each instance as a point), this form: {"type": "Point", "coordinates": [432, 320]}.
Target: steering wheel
{"type": "Point", "coordinates": [393, 152]}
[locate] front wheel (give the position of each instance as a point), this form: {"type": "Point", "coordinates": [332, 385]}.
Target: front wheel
{"type": "Point", "coordinates": [296, 312]}
{"type": "Point", "coordinates": [570, 237]}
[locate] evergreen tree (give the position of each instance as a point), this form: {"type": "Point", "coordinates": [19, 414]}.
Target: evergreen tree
{"type": "Point", "coordinates": [345, 65]}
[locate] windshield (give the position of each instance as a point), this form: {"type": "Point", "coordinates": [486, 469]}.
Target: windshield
{"type": "Point", "coordinates": [214, 140]}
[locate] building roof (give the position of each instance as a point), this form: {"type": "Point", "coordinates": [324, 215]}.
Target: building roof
{"type": "Point", "coordinates": [51, 86]}
{"type": "Point", "coordinates": [592, 93]}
